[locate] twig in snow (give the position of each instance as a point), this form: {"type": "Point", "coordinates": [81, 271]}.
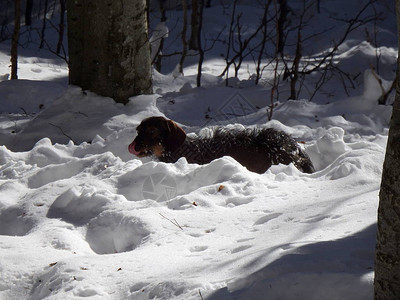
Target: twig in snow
{"type": "Point", "coordinates": [62, 131]}
{"type": "Point", "coordinates": [175, 222]}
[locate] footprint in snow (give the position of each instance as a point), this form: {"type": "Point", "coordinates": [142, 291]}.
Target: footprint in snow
{"type": "Point", "coordinates": [240, 249]}
{"type": "Point", "coordinates": [79, 206]}
{"type": "Point", "coordinates": [113, 232]}
{"type": "Point", "coordinates": [15, 222]}
{"type": "Point", "coordinates": [198, 248]}
{"type": "Point", "coordinates": [315, 219]}
{"type": "Point", "coordinates": [267, 218]}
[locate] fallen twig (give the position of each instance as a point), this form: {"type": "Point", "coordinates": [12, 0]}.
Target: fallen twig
{"type": "Point", "coordinates": [62, 131]}
{"type": "Point", "coordinates": [175, 222]}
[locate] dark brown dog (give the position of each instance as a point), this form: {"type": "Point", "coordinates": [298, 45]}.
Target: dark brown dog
{"type": "Point", "coordinates": [256, 149]}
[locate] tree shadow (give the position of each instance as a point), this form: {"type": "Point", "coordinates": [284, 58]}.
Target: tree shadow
{"type": "Point", "coordinates": [340, 269]}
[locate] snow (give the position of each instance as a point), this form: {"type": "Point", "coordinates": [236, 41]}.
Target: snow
{"type": "Point", "coordinates": [81, 217]}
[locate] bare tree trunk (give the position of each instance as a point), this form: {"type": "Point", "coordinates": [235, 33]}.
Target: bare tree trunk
{"type": "Point", "coordinates": [61, 27]}
{"type": "Point", "coordinates": [28, 12]}
{"type": "Point", "coordinates": [387, 254]}
{"type": "Point", "coordinates": [275, 83]}
{"type": "Point", "coordinates": [283, 11]}
{"type": "Point", "coordinates": [109, 52]}
{"type": "Point", "coordinates": [201, 50]}
{"type": "Point", "coordinates": [183, 36]}
{"type": "Point", "coordinates": [42, 36]}
{"type": "Point", "coordinates": [296, 63]}
{"type": "Point", "coordinates": [263, 41]}
{"type": "Point", "coordinates": [15, 39]}
{"type": "Point", "coordinates": [193, 44]}
{"type": "Point", "coordinates": [158, 60]}
{"type": "Point", "coordinates": [230, 43]}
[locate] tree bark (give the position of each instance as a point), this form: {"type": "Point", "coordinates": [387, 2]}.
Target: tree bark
{"type": "Point", "coordinates": [200, 47]}
{"type": "Point", "coordinates": [296, 64]}
{"type": "Point", "coordinates": [193, 44]}
{"type": "Point", "coordinates": [158, 61]}
{"type": "Point", "coordinates": [28, 12]}
{"type": "Point", "coordinates": [15, 39]}
{"type": "Point", "coordinates": [44, 25]}
{"type": "Point", "coordinates": [183, 37]}
{"type": "Point", "coordinates": [387, 254]}
{"type": "Point", "coordinates": [283, 11]}
{"type": "Point", "coordinates": [109, 52]}
{"type": "Point", "coordinates": [61, 27]}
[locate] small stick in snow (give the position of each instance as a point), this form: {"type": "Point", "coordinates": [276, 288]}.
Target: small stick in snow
{"type": "Point", "coordinates": [175, 222]}
{"type": "Point", "coordinates": [62, 131]}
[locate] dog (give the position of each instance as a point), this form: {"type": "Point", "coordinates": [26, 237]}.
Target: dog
{"type": "Point", "coordinates": [256, 149]}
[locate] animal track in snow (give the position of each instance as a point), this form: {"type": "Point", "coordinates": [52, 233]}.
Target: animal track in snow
{"type": "Point", "coordinates": [112, 232]}
{"type": "Point", "coordinates": [198, 248]}
{"type": "Point", "coordinates": [316, 218]}
{"type": "Point", "coordinates": [240, 249]}
{"type": "Point", "coordinates": [79, 206]}
{"type": "Point", "coordinates": [14, 222]}
{"type": "Point", "coordinates": [236, 201]}
{"type": "Point", "coordinates": [267, 218]}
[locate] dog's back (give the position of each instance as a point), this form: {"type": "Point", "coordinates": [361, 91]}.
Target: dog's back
{"type": "Point", "coordinates": [256, 149]}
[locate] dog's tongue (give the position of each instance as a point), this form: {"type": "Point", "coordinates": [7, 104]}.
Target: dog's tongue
{"type": "Point", "coordinates": [132, 149]}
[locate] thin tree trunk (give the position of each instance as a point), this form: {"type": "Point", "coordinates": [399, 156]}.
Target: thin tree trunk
{"type": "Point", "coordinates": [15, 39]}
{"type": "Point", "coordinates": [275, 83]}
{"type": "Point", "coordinates": [201, 50]}
{"type": "Point", "coordinates": [158, 61]}
{"type": "Point", "coordinates": [61, 27]}
{"type": "Point", "coordinates": [183, 36]}
{"type": "Point", "coordinates": [387, 254]}
{"type": "Point", "coordinates": [193, 44]}
{"type": "Point", "coordinates": [296, 63]}
{"type": "Point", "coordinates": [283, 11]}
{"type": "Point", "coordinates": [263, 42]}
{"type": "Point", "coordinates": [28, 12]}
{"type": "Point", "coordinates": [230, 43]}
{"type": "Point", "coordinates": [42, 37]}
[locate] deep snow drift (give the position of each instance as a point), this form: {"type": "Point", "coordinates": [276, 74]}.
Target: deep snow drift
{"type": "Point", "coordinates": [84, 218]}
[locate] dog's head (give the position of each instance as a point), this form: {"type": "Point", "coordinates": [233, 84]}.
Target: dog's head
{"type": "Point", "coordinates": [157, 136]}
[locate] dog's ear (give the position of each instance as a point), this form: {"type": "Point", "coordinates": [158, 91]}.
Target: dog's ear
{"type": "Point", "coordinates": [176, 136]}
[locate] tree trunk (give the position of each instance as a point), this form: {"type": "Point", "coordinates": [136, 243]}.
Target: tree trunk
{"type": "Point", "coordinates": [158, 60]}
{"type": "Point", "coordinates": [61, 27]}
{"type": "Point", "coordinates": [44, 25]}
{"type": "Point", "coordinates": [183, 37]}
{"type": "Point", "coordinates": [193, 44]}
{"type": "Point", "coordinates": [200, 47]}
{"type": "Point", "coordinates": [283, 11]}
{"type": "Point", "coordinates": [387, 254]}
{"type": "Point", "coordinates": [15, 39]}
{"type": "Point", "coordinates": [296, 64]}
{"type": "Point", "coordinates": [109, 52]}
{"type": "Point", "coordinates": [28, 12]}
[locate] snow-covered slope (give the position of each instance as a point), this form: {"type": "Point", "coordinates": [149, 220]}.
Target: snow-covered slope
{"type": "Point", "coordinates": [84, 218]}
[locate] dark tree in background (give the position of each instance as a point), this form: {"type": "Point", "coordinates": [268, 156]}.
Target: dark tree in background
{"type": "Point", "coordinates": [108, 45]}
{"type": "Point", "coordinates": [28, 12]}
{"type": "Point", "coordinates": [15, 39]}
{"type": "Point", "coordinates": [387, 255]}
{"type": "Point", "coordinates": [193, 43]}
